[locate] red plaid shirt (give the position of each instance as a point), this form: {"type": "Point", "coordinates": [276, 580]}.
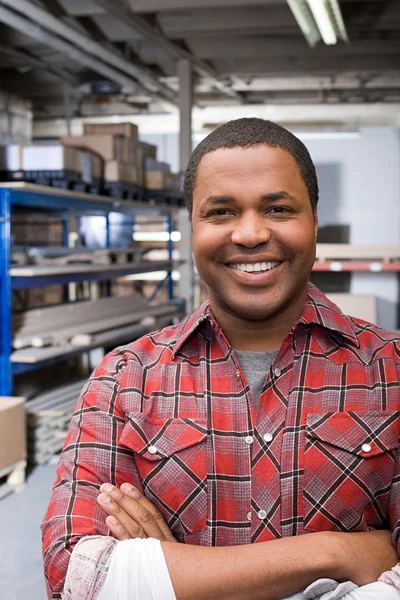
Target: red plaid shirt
{"type": "Point", "coordinates": [172, 413]}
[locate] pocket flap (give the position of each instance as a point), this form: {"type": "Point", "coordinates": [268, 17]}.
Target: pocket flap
{"type": "Point", "coordinates": [155, 439]}
{"type": "Point", "coordinates": [363, 433]}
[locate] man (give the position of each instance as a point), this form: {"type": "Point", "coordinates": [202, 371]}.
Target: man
{"type": "Point", "coordinates": [267, 415]}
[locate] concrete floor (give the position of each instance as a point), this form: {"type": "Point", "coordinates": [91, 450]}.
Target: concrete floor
{"type": "Point", "coordinates": [21, 570]}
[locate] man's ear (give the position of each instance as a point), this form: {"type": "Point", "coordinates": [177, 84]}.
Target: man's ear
{"type": "Point", "coordinates": [316, 224]}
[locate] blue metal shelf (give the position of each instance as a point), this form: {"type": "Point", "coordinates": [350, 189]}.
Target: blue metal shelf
{"type": "Point", "coordinates": [60, 203]}
{"type": "Point", "coordinates": [90, 273]}
{"type": "Point", "coordinates": [58, 200]}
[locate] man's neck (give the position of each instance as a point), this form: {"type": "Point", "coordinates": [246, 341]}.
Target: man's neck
{"type": "Point", "coordinates": [258, 335]}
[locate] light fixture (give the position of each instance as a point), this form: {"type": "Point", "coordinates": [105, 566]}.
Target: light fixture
{"type": "Point", "coordinates": [319, 19]}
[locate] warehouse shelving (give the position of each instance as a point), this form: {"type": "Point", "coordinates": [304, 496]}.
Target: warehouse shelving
{"type": "Point", "coordinates": [346, 257]}
{"type": "Point", "coordinates": [63, 204]}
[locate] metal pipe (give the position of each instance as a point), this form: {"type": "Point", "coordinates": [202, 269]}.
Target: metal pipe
{"type": "Point", "coordinates": [44, 19]}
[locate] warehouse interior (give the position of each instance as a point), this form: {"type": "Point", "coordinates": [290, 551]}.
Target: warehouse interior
{"type": "Point", "coordinates": [101, 104]}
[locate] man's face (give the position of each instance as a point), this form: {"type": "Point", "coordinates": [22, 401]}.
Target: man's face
{"type": "Point", "coordinates": [254, 232]}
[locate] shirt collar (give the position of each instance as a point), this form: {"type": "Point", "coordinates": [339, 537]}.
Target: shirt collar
{"type": "Point", "coordinates": [318, 310]}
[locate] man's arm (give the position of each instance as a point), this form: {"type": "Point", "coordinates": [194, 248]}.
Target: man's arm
{"type": "Point", "coordinates": [91, 456]}
{"type": "Point", "coordinates": [393, 576]}
{"type": "Point", "coordinates": [262, 571]}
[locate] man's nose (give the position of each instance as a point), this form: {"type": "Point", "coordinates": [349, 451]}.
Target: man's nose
{"type": "Point", "coordinates": [251, 231]}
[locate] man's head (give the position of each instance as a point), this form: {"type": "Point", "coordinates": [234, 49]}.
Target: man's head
{"type": "Point", "coordinates": [253, 194]}
{"type": "Point", "coordinates": [245, 133]}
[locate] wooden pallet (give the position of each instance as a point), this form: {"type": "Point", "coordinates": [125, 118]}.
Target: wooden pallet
{"type": "Point", "coordinates": [15, 474]}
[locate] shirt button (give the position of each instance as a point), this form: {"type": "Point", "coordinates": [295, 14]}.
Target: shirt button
{"type": "Point", "coordinates": [249, 516]}
{"type": "Point", "coordinates": [366, 448]}
{"type": "Point", "coordinates": [237, 373]}
{"type": "Point", "coordinates": [249, 439]}
{"type": "Point", "coordinates": [152, 449]}
{"type": "Point", "coordinates": [261, 514]}
{"type": "Point", "coordinates": [268, 437]}
{"type": "Point", "coordinates": [277, 372]}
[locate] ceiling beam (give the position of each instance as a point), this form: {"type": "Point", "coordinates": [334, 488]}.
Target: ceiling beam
{"type": "Point", "coordinates": [245, 47]}
{"type": "Point", "coordinates": [302, 66]}
{"type": "Point", "coordinates": [146, 6]}
{"type": "Point", "coordinates": [90, 53]}
{"type": "Point", "coordinates": [35, 62]}
{"type": "Point", "coordinates": [157, 37]}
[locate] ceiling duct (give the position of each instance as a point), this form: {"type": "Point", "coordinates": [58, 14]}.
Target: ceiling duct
{"type": "Point", "coordinates": [319, 20]}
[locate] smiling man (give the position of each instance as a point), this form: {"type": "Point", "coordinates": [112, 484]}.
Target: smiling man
{"type": "Point", "coordinates": [266, 416]}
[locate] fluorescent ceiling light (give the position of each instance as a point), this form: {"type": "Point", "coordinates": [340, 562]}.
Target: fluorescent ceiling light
{"type": "Point", "coordinates": [323, 20]}
{"type": "Point", "coordinates": [302, 13]}
{"type": "Point", "coordinates": [319, 19]}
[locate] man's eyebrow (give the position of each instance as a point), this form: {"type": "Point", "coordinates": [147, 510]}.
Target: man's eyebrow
{"type": "Point", "coordinates": [274, 196]}
{"type": "Point", "coordinates": [220, 199]}
{"type": "Point", "coordinates": [271, 197]}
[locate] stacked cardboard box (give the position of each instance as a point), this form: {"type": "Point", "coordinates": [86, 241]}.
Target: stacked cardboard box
{"type": "Point", "coordinates": [119, 147]}
{"type": "Point", "coordinates": [56, 160]}
{"type": "Point", "coordinates": [159, 177]}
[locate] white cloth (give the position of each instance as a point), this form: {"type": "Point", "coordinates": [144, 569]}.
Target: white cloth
{"type": "Point", "coordinates": [137, 571]}
{"type": "Point", "coordinates": [328, 589]}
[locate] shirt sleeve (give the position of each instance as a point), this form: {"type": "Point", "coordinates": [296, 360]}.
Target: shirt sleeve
{"type": "Point", "coordinates": [91, 456]}
{"type": "Point", "coordinates": [392, 577]}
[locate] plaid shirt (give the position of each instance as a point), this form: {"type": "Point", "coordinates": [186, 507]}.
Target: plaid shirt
{"type": "Point", "coordinates": [172, 413]}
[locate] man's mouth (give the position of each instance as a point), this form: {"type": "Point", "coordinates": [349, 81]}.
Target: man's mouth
{"type": "Point", "coordinates": [260, 267]}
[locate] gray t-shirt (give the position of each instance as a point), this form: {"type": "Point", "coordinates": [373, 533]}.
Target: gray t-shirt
{"type": "Point", "coordinates": [255, 366]}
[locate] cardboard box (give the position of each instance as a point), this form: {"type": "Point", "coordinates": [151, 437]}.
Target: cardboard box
{"type": "Point", "coordinates": [109, 147]}
{"type": "Point", "coordinates": [156, 180]}
{"type": "Point", "coordinates": [13, 431]}
{"type": "Point", "coordinates": [149, 150]}
{"type": "Point", "coordinates": [127, 130]}
{"type": "Point", "coordinates": [155, 165]}
{"type": "Point", "coordinates": [50, 158]}
{"type": "Point", "coordinates": [131, 151]}
{"type": "Point", "coordinates": [114, 170]}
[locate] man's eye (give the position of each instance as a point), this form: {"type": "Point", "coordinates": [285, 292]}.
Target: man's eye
{"type": "Point", "coordinates": [220, 212]}
{"type": "Point", "coordinates": [279, 209]}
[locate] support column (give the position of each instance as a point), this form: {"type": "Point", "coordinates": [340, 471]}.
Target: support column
{"type": "Point", "coordinates": [186, 286]}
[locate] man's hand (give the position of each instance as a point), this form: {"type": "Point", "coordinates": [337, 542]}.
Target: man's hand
{"type": "Point", "coordinates": [131, 515]}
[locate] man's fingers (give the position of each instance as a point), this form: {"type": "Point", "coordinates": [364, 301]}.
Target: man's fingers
{"type": "Point", "coordinates": [134, 493]}
{"type": "Point", "coordinates": [118, 531]}
{"type": "Point", "coordinates": [126, 521]}
{"type": "Point", "coordinates": [137, 513]}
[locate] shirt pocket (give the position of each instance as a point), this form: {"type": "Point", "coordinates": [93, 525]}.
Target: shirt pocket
{"type": "Point", "coordinates": [171, 458]}
{"type": "Point", "coordinates": [348, 469]}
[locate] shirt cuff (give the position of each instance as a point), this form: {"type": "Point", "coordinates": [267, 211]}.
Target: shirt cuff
{"type": "Point", "coordinates": [392, 577]}
{"type": "Point", "coordinates": [88, 567]}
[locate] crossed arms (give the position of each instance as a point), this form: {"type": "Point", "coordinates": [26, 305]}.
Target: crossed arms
{"type": "Point", "coordinates": [264, 571]}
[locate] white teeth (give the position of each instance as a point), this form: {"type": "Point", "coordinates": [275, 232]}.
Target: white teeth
{"type": "Point", "coordinates": [255, 267]}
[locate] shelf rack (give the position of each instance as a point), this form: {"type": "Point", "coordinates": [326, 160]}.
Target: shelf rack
{"type": "Point", "coordinates": [63, 204]}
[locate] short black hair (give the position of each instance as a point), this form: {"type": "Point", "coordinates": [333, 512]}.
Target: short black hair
{"type": "Point", "coordinates": [246, 133]}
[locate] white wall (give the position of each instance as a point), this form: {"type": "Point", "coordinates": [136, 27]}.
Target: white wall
{"type": "Point", "coordinates": [368, 201]}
